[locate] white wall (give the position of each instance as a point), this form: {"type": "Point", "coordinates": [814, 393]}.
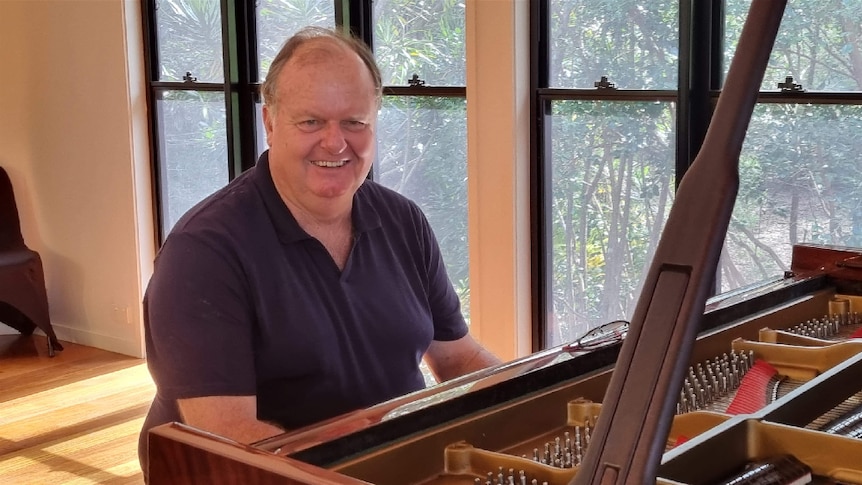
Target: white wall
{"type": "Point", "coordinates": [78, 162]}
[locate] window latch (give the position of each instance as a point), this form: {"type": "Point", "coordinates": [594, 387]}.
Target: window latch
{"type": "Point", "coordinates": [604, 84]}
{"type": "Point", "coordinates": [788, 86]}
{"type": "Point", "coordinates": [415, 82]}
{"type": "Point", "coordinates": [188, 78]}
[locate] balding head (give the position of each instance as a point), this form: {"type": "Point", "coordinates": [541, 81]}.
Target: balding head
{"type": "Point", "coordinates": [313, 45]}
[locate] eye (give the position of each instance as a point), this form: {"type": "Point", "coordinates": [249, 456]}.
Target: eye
{"type": "Point", "coordinates": [353, 125]}
{"type": "Point", "coordinates": [309, 125]}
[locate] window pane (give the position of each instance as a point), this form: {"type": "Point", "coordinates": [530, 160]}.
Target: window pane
{"type": "Point", "coordinates": [194, 150]}
{"type": "Point", "coordinates": [612, 187]}
{"type": "Point", "coordinates": [819, 44]}
{"type": "Point", "coordinates": [633, 43]}
{"type": "Point", "coordinates": [801, 182]}
{"type": "Point", "coordinates": [279, 19]}
{"type": "Point", "coordinates": [422, 153]}
{"type": "Point", "coordinates": [420, 37]}
{"type": "Point", "coordinates": [189, 37]}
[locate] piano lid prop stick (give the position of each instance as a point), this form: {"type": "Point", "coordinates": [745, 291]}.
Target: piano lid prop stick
{"type": "Point", "coordinates": [640, 401]}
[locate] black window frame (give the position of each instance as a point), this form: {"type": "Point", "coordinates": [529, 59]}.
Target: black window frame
{"type": "Point", "coordinates": [241, 86]}
{"type": "Point", "coordinates": [700, 78]}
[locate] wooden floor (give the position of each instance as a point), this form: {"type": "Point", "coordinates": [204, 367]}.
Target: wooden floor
{"type": "Point", "coordinates": [70, 419]}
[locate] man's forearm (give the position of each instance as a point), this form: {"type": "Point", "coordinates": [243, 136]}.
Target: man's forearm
{"type": "Point", "coordinates": [483, 359]}
{"type": "Point", "coordinates": [233, 417]}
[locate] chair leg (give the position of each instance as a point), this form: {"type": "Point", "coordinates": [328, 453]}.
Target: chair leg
{"type": "Point", "coordinates": [53, 344]}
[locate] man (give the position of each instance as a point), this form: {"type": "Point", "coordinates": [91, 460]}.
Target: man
{"type": "Point", "coordinates": [301, 290]}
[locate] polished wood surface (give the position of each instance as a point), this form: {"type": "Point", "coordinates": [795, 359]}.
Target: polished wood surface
{"type": "Point", "coordinates": [73, 418]}
{"type": "Point", "coordinates": [183, 455]}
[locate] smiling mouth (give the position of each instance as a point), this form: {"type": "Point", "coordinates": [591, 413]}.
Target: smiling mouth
{"type": "Point", "coordinates": [329, 164]}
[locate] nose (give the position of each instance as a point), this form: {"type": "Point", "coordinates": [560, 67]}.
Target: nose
{"type": "Point", "coordinates": [332, 138]}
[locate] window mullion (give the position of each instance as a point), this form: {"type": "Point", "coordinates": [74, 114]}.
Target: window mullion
{"type": "Point", "coordinates": [246, 82]}
{"type": "Point", "coordinates": [699, 63]}
{"type": "Point", "coordinates": [230, 52]}
{"type": "Point", "coordinates": [540, 178]}
{"type": "Point", "coordinates": [356, 15]}
{"type": "Point", "coordinates": [151, 62]}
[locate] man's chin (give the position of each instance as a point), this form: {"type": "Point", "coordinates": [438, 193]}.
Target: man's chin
{"type": "Point", "coordinates": [336, 185]}
{"type": "Point", "coordinates": [335, 193]}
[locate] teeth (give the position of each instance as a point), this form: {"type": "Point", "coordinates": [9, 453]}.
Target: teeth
{"type": "Point", "coordinates": [328, 164]}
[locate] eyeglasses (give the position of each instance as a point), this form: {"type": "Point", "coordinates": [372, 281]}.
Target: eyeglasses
{"type": "Point", "coordinates": [604, 335]}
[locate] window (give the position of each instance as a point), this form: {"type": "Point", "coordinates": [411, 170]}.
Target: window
{"type": "Point", "coordinates": [207, 58]}
{"type": "Point", "coordinates": [801, 173]}
{"type": "Point", "coordinates": [607, 87]}
{"type": "Point", "coordinates": [189, 104]}
{"type": "Point", "coordinates": [616, 130]}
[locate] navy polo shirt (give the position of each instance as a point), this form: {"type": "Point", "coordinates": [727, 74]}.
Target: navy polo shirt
{"type": "Point", "coordinates": [244, 302]}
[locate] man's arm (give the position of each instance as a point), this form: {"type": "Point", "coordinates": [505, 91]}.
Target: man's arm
{"type": "Point", "coordinates": [450, 359]}
{"type": "Point", "coordinates": [233, 417]}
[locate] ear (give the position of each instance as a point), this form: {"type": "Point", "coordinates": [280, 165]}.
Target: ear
{"type": "Point", "coordinates": [268, 119]}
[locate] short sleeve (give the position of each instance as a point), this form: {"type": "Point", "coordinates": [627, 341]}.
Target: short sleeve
{"type": "Point", "coordinates": [199, 321]}
{"type": "Point", "coordinates": [449, 323]}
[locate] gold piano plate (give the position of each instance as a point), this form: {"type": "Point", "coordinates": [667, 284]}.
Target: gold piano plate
{"type": "Point", "coordinates": [833, 459]}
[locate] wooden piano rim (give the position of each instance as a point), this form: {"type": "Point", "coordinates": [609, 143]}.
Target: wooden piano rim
{"type": "Point", "coordinates": [187, 450]}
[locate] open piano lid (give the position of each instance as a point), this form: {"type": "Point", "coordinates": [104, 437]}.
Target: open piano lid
{"type": "Point", "coordinates": [629, 438]}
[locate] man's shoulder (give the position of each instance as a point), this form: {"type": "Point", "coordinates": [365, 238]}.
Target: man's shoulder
{"type": "Point", "coordinates": [395, 214]}
{"type": "Point", "coordinates": [227, 209]}
{"type": "Point", "coordinates": [219, 229]}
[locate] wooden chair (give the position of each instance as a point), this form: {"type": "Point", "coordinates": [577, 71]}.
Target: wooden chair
{"type": "Point", "coordinates": [23, 297]}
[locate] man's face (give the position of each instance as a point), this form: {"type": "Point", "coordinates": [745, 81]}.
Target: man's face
{"type": "Point", "coordinates": [321, 131]}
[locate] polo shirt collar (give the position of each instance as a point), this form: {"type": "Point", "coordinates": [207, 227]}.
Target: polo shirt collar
{"type": "Point", "coordinates": [365, 216]}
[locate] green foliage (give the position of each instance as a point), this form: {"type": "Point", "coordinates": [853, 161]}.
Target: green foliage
{"type": "Point", "coordinates": [612, 186]}
{"type": "Point", "coordinates": [633, 43]}
{"type": "Point", "coordinates": [420, 37]}
{"type": "Point", "coordinates": [612, 162]}
{"type": "Point", "coordinates": [189, 35]}
{"type": "Point", "coordinates": [819, 44]}
{"type": "Point", "coordinates": [277, 20]}
{"type": "Point", "coordinates": [800, 182]}
{"type": "Point", "coordinates": [193, 149]}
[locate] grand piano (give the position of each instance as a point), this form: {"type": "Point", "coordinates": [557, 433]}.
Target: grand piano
{"type": "Point", "coordinates": [520, 415]}
{"type": "Point", "coordinates": [759, 385]}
